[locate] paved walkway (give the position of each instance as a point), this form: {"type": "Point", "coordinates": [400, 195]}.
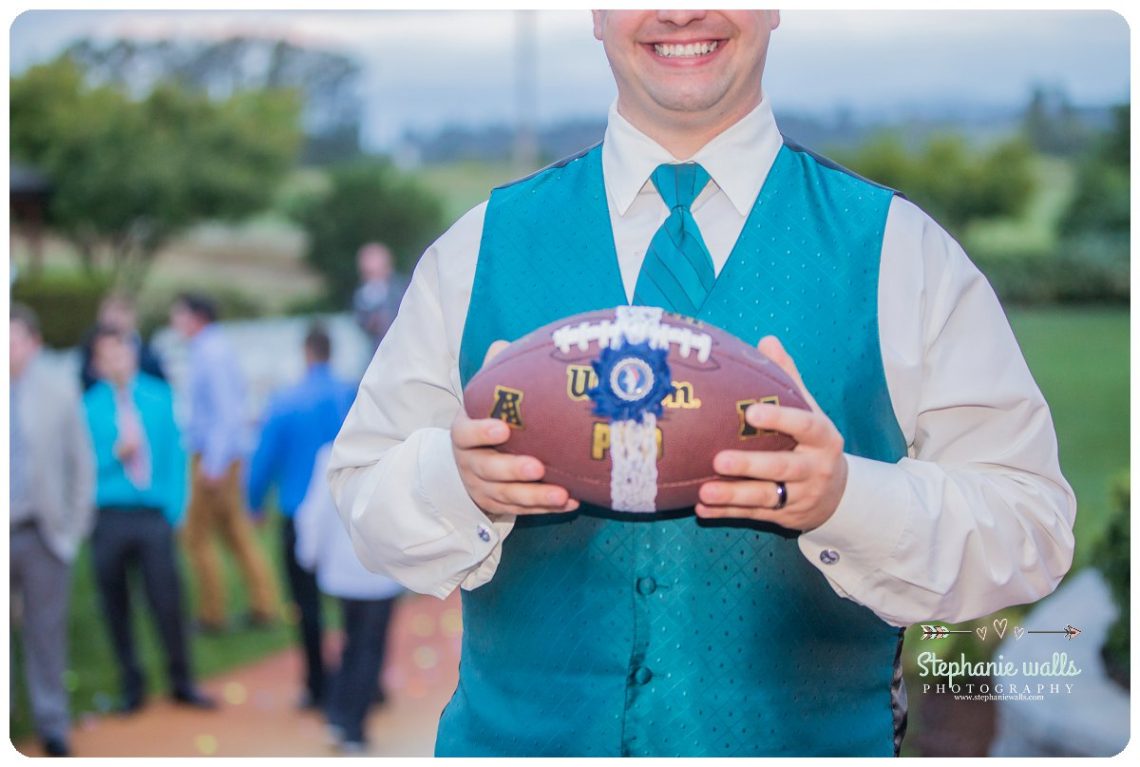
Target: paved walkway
{"type": "Point", "coordinates": [258, 717]}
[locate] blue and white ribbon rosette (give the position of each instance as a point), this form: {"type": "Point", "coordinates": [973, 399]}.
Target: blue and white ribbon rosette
{"type": "Point", "coordinates": [633, 382]}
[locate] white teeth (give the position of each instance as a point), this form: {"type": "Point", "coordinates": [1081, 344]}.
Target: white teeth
{"type": "Point", "coordinates": [684, 51]}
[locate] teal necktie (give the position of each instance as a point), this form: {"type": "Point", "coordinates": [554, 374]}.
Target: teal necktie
{"type": "Point", "coordinates": [677, 273]}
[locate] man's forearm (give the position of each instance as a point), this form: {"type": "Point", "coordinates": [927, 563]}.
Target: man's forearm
{"type": "Point", "coordinates": [411, 519]}
{"type": "Point", "coordinates": [917, 541]}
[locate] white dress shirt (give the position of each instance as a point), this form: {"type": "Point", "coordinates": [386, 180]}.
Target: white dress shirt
{"type": "Point", "coordinates": [977, 517]}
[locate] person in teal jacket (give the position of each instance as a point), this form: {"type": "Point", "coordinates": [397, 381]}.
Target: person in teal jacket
{"type": "Point", "coordinates": [140, 495]}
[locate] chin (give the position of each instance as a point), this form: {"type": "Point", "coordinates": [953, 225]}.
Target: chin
{"type": "Point", "coordinates": [685, 101]}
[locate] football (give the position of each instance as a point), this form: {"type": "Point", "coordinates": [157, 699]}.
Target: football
{"type": "Point", "coordinates": [627, 407]}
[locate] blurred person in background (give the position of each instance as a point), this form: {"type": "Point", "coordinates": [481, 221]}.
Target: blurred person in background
{"type": "Point", "coordinates": [118, 311]}
{"type": "Point", "coordinates": [297, 422]}
{"type": "Point", "coordinates": [377, 298]}
{"type": "Point", "coordinates": [366, 599]}
{"type": "Point", "coordinates": [51, 484]}
{"type": "Point", "coordinates": [140, 496]}
{"type": "Point", "coordinates": [216, 438]}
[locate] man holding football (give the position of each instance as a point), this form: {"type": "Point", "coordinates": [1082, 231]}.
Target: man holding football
{"type": "Point", "coordinates": [925, 484]}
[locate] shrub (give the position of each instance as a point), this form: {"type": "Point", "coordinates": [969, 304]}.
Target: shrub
{"type": "Point", "coordinates": [948, 178]}
{"type": "Point", "coordinates": [66, 304]}
{"type": "Point", "coordinates": [1086, 268]}
{"type": "Point", "coordinates": [365, 201]}
{"type": "Point", "coordinates": [1112, 559]}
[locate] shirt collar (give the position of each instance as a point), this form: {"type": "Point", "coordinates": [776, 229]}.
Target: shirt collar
{"type": "Point", "coordinates": [124, 392]}
{"type": "Point", "coordinates": [204, 336]}
{"type": "Point", "coordinates": [738, 160]}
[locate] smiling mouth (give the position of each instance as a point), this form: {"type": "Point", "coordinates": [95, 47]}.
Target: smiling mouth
{"type": "Point", "coordinates": [686, 50]}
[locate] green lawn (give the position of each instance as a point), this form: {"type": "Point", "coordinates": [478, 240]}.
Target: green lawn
{"type": "Point", "coordinates": [1080, 359]}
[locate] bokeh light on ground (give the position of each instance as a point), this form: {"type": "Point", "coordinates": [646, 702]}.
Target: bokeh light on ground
{"type": "Point", "coordinates": [451, 623]}
{"type": "Point", "coordinates": [425, 657]}
{"type": "Point", "coordinates": [234, 693]}
{"type": "Point", "coordinates": [206, 744]}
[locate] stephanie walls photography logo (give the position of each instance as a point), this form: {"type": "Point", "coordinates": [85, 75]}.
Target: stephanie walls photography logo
{"type": "Point", "coordinates": [998, 679]}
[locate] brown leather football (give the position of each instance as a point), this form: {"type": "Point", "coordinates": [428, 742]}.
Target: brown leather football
{"type": "Point", "coordinates": [626, 407]}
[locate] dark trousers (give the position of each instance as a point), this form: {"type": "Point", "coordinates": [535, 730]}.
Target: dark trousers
{"type": "Point", "coordinates": [127, 540]}
{"type": "Point", "coordinates": [353, 687]}
{"type": "Point", "coordinates": [307, 598]}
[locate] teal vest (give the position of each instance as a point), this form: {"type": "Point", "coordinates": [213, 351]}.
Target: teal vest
{"type": "Point", "coordinates": [668, 635]}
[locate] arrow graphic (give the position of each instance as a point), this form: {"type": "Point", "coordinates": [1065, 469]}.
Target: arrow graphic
{"type": "Point", "coordinates": [930, 631]}
{"type": "Point", "coordinates": [1070, 632]}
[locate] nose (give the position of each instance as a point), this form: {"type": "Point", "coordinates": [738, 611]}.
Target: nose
{"type": "Point", "coordinates": [680, 18]}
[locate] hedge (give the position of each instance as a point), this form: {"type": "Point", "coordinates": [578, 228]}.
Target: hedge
{"type": "Point", "coordinates": [1112, 558]}
{"type": "Point", "coordinates": [1090, 268]}
{"type": "Point", "coordinates": [66, 304]}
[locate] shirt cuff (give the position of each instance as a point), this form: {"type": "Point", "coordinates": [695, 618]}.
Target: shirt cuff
{"type": "Point", "coordinates": [480, 534]}
{"type": "Point", "coordinates": [865, 528]}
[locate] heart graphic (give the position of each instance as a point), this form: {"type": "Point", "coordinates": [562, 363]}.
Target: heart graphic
{"type": "Point", "coordinates": [999, 626]}
{"type": "Point", "coordinates": [981, 632]}
{"type": "Point", "coordinates": [1018, 632]}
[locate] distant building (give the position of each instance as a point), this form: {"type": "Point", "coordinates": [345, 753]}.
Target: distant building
{"type": "Point", "coordinates": [29, 193]}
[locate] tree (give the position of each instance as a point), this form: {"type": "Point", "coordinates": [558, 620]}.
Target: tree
{"type": "Point", "coordinates": [130, 173]}
{"type": "Point", "coordinates": [1051, 124]}
{"type": "Point", "coordinates": [951, 181]}
{"type": "Point", "coordinates": [327, 81]}
{"type": "Point", "coordinates": [366, 201]}
{"type": "Point", "coordinates": [1102, 201]}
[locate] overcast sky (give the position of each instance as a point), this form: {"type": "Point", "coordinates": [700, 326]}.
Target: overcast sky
{"type": "Point", "coordinates": [426, 69]}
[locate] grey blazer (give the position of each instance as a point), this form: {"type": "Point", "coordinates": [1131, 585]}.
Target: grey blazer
{"type": "Point", "coordinates": [61, 459]}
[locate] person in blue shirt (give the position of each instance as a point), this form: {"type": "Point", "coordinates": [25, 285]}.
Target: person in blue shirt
{"type": "Point", "coordinates": [216, 437]}
{"type": "Point", "coordinates": [140, 495]}
{"type": "Point", "coordinates": [297, 422]}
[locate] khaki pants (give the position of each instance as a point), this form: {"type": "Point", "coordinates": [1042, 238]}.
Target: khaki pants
{"type": "Point", "coordinates": [220, 509]}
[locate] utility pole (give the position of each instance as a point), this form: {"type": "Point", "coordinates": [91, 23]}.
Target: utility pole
{"type": "Point", "coordinates": [526, 90]}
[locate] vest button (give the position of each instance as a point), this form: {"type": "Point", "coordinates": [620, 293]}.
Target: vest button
{"type": "Point", "coordinates": [642, 675]}
{"type": "Point", "coordinates": [646, 586]}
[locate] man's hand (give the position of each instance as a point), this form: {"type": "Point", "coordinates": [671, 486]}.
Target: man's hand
{"type": "Point", "coordinates": [500, 483]}
{"type": "Point", "coordinates": [814, 473]}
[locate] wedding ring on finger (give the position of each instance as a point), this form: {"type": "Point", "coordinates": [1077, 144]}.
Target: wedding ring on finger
{"type": "Point", "coordinates": [781, 496]}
